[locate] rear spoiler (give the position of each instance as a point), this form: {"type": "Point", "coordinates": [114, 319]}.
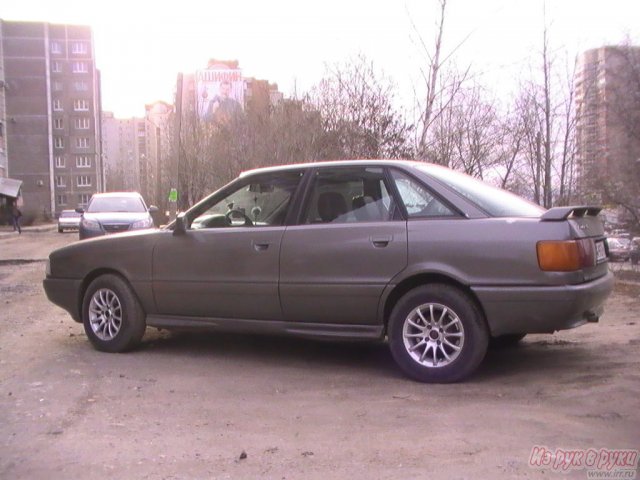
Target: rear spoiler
{"type": "Point", "coordinates": [557, 214]}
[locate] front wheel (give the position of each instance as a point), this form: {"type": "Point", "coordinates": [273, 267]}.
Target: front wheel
{"type": "Point", "coordinates": [112, 316]}
{"type": "Point", "coordinates": [437, 334]}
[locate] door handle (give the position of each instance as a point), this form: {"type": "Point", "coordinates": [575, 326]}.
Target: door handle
{"type": "Point", "coordinates": [260, 247]}
{"type": "Point", "coordinates": [381, 242]}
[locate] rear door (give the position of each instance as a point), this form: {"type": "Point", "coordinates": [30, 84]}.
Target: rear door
{"type": "Point", "coordinates": [350, 242]}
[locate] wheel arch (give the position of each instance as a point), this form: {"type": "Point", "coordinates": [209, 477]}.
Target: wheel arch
{"type": "Point", "coordinates": [426, 278]}
{"type": "Point", "coordinates": [90, 277]}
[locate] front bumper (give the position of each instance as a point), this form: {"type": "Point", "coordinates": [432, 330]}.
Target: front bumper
{"type": "Point", "coordinates": [65, 293]}
{"type": "Point", "coordinates": [543, 309]}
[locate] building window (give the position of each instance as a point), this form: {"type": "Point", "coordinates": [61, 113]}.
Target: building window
{"type": "Point", "coordinates": [56, 47]}
{"type": "Point", "coordinates": [57, 105]}
{"type": "Point", "coordinates": [82, 142]}
{"type": "Point", "coordinates": [60, 181]}
{"type": "Point", "coordinates": [79, 48]}
{"type": "Point", "coordinates": [62, 199]}
{"type": "Point", "coordinates": [81, 86]}
{"type": "Point", "coordinates": [83, 199]}
{"type": "Point", "coordinates": [58, 124]}
{"type": "Point", "coordinates": [58, 142]}
{"type": "Point", "coordinates": [58, 86]}
{"type": "Point", "coordinates": [82, 123]}
{"type": "Point", "coordinates": [81, 105]}
{"type": "Point", "coordinates": [83, 161]}
{"type": "Point", "coordinates": [80, 67]}
{"type": "Point", "coordinates": [84, 181]}
{"type": "Point", "coordinates": [59, 161]}
{"type": "Point", "coordinates": [56, 67]}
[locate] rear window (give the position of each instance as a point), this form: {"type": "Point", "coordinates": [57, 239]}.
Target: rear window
{"type": "Point", "coordinates": [494, 201]}
{"type": "Point", "coordinates": [69, 213]}
{"type": "Point", "coordinates": [116, 204]}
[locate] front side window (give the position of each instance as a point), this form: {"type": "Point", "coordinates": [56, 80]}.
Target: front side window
{"type": "Point", "coordinates": [417, 200]}
{"type": "Point", "coordinates": [261, 201]}
{"type": "Point", "coordinates": [348, 195]}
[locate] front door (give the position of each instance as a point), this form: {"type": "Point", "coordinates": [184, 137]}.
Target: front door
{"type": "Point", "coordinates": [226, 265]}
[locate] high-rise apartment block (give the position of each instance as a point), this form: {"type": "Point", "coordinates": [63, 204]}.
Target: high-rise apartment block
{"type": "Point", "coordinates": [607, 105]}
{"type": "Point", "coordinates": [135, 151]}
{"type": "Point", "coordinates": [50, 114]}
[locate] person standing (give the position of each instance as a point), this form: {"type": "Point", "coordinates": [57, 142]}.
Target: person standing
{"type": "Point", "coordinates": [15, 218]}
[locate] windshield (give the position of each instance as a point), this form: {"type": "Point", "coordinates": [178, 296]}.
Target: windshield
{"type": "Point", "coordinates": [116, 204]}
{"type": "Point", "coordinates": [495, 201]}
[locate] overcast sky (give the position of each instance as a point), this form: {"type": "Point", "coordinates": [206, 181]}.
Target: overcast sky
{"type": "Point", "coordinates": [141, 45]}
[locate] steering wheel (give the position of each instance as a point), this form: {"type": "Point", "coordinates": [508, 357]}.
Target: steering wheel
{"type": "Point", "coordinates": [237, 218]}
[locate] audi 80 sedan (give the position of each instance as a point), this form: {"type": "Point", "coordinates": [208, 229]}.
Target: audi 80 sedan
{"type": "Point", "coordinates": [429, 259]}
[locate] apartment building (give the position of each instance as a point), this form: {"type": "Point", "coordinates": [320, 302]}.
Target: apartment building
{"type": "Point", "coordinates": [50, 115]}
{"type": "Point", "coordinates": [607, 89]}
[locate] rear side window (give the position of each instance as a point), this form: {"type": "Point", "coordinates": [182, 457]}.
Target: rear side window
{"type": "Point", "coordinates": [418, 201]}
{"type": "Point", "coordinates": [349, 195]}
{"type": "Point", "coordinates": [495, 201]}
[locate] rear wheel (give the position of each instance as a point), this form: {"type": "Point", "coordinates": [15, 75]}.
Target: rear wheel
{"type": "Point", "coordinates": [112, 315]}
{"type": "Point", "coordinates": [437, 334]}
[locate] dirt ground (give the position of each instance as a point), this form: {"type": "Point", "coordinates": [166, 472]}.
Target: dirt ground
{"type": "Point", "coordinates": [199, 406]}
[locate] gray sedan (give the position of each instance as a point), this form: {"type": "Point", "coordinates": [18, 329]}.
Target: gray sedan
{"type": "Point", "coordinates": [431, 260]}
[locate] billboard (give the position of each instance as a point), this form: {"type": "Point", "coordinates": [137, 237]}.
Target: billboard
{"type": "Point", "coordinates": [219, 93]}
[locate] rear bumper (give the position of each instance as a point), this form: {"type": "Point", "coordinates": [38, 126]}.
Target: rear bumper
{"type": "Point", "coordinates": [543, 309]}
{"type": "Point", "coordinates": [65, 294]}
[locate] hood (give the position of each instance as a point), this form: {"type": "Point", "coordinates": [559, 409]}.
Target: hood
{"type": "Point", "coordinates": [116, 217]}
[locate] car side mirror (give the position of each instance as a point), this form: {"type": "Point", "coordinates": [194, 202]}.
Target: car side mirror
{"type": "Point", "coordinates": [153, 209]}
{"type": "Point", "coordinates": [180, 227]}
{"type": "Point", "coordinates": [80, 210]}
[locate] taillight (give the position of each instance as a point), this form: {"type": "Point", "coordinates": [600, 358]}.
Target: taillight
{"type": "Point", "coordinates": [566, 256]}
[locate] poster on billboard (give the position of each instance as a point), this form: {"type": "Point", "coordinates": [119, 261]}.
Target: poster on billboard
{"type": "Point", "coordinates": [220, 93]}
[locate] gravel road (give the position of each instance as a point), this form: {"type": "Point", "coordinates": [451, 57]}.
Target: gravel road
{"type": "Point", "coordinates": [199, 406]}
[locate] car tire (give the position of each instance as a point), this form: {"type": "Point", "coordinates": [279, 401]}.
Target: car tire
{"type": "Point", "coordinates": [60, 230]}
{"type": "Point", "coordinates": [437, 334]}
{"type": "Point", "coordinates": [112, 316]}
{"type": "Point", "coordinates": [504, 341]}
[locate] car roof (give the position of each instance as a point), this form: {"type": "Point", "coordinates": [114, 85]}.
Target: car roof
{"type": "Point", "coordinates": [333, 163]}
{"type": "Point", "coordinates": [118, 194]}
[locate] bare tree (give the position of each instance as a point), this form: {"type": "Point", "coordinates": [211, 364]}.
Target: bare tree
{"type": "Point", "coordinates": [359, 116]}
{"type": "Point", "coordinates": [441, 83]}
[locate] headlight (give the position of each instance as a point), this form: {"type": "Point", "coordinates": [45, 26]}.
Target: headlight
{"type": "Point", "coordinates": [90, 224]}
{"type": "Point", "coordinates": [145, 223]}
